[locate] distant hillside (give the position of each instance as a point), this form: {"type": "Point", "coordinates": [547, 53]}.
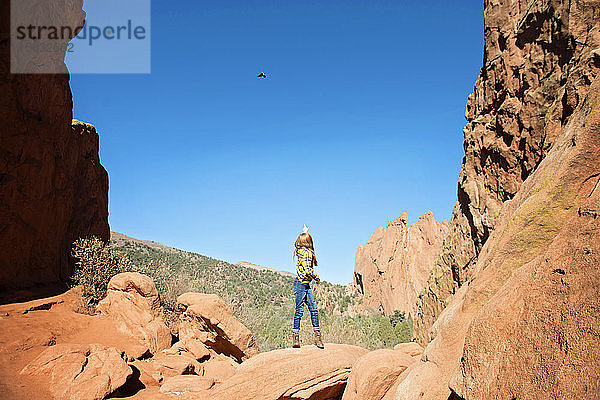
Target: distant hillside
{"type": "Point", "coordinates": [261, 297]}
{"type": "Point", "coordinates": [118, 239]}
{"type": "Point", "coordinates": [261, 268]}
{"type": "Point", "coordinates": [191, 271]}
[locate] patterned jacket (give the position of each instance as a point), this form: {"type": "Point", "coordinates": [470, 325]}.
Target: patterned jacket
{"type": "Point", "coordinates": [304, 266]}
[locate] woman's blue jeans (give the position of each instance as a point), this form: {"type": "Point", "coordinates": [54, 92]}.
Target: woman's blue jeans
{"type": "Point", "coordinates": [304, 294]}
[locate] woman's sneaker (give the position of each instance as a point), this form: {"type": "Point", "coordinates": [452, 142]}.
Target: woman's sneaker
{"type": "Point", "coordinates": [318, 340]}
{"type": "Point", "coordinates": [295, 340]}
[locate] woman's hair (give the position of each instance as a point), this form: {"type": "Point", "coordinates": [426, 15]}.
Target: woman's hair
{"type": "Point", "coordinates": [305, 240]}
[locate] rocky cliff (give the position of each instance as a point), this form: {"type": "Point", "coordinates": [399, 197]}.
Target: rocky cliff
{"type": "Point", "coordinates": [540, 59]}
{"type": "Point", "coordinates": [510, 309]}
{"type": "Point", "coordinates": [537, 68]}
{"type": "Point", "coordinates": [52, 186]}
{"type": "Point", "coordinates": [394, 264]}
{"type": "Point", "coordinates": [526, 325]}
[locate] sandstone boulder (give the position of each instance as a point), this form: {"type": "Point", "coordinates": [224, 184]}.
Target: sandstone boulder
{"type": "Point", "coordinates": [218, 369]}
{"type": "Point", "coordinates": [193, 347]}
{"type": "Point", "coordinates": [186, 384]}
{"type": "Point", "coordinates": [375, 373]}
{"type": "Point", "coordinates": [304, 373]}
{"type": "Point", "coordinates": [179, 360]}
{"type": "Point", "coordinates": [392, 267]}
{"type": "Point", "coordinates": [422, 381]}
{"type": "Point", "coordinates": [410, 348]}
{"type": "Point", "coordinates": [207, 319]}
{"type": "Point", "coordinates": [132, 301]}
{"type": "Point", "coordinates": [75, 372]}
{"type": "Point", "coordinates": [165, 366]}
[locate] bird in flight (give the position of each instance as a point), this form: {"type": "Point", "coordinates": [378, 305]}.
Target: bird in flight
{"type": "Point", "coordinates": [261, 75]}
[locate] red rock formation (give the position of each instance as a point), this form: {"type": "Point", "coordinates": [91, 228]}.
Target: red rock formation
{"type": "Point", "coordinates": [540, 329]}
{"type": "Point", "coordinates": [305, 373]}
{"type": "Point", "coordinates": [133, 304]}
{"type": "Point", "coordinates": [53, 189]}
{"type": "Point", "coordinates": [51, 343]}
{"type": "Point", "coordinates": [207, 319]}
{"type": "Point", "coordinates": [78, 371]}
{"type": "Point", "coordinates": [522, 250]}
{"type": "Point", "coordinates": [526, 325]}
{"type": "Point", "coordinates": [537, 67]}
{"type": "Point", "coordinates": [374, 374]}
{"type": "Point", "coordinates": [392, 267]}
{"type": "Point", "coordinates": [186, 384]}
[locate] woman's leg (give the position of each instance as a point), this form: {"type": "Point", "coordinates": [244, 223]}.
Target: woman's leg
{"type": "Point", "coordinates": [312, 307]}
{"type": "Point", "coordinates": [300, 296]}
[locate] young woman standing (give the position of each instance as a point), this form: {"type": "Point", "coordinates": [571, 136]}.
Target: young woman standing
{"type": "Point", "coordinates": [306, 261]}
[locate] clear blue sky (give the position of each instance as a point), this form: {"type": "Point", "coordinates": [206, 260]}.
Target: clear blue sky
{"type": "Point", "coordinates": [360, 120]}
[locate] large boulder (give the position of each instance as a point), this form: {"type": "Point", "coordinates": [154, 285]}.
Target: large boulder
{"type": "Point", "coordinates": [393, 266]}
{"type": "Point", "coordinates": [208, 320]}
{"type": "Point", "coordinates": [218, 369]}
{"type": "Point", "coordinates": [201, 360]}
{"type": "Point", "coordinates": [165, 366]}
{"type": "Point", "coordinates": [375, 373]}
{"type": "Point", "coordinates": [132, 301]}
{"type": "Point", "coordinates": [195, 348]}
{"type": "Point", "coordinates": [75, 371]}
{"type": "Point", "coordinates": [186, 384]}
{"type": "Point", "coordinates": [411, 348]}
{"type": "Point", "coordinates": [304, 373]}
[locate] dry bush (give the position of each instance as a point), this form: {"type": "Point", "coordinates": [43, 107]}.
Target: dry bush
{"type": "Point", "coordinates": [95, 265]}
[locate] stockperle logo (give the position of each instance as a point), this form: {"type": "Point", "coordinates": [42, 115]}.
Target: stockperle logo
{"type": "Point", "coordinates": [108, 36]}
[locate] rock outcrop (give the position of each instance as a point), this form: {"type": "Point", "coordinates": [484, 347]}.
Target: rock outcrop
{"type": "Point", "coordinates": [206, 319]}
{"type": "Point", "coordinates": [392, 267]}
{"type": "Point", "coordinates": [375, 373]}
{"type": "Point", "coordinates": [75, 372]}
{"type": "Point", "coordinates": [510, 308]}
{"type": "Point", "coordinates": [527, 325]}
{"type": "Point", "coordinates": [132, 302]}
{"type": "Point", "coordinates": [305, 373]}
{"type": "Point", "coordinates": [411, 348]}
{"type": "Point", "coordinates": [186, 384]}
{"type": "Point", "coordinates": [165, 366]}
{"type": "Point", "coordinates": [64, 360]}
{"type": "Point", "coordinates": [538, 328]}
{"type": "Point", "coordinates": [66, 355]}
{"type": "Point", "coordinates": [537, 68]}
{"type": "Point", "coordinates": [53, 189]}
